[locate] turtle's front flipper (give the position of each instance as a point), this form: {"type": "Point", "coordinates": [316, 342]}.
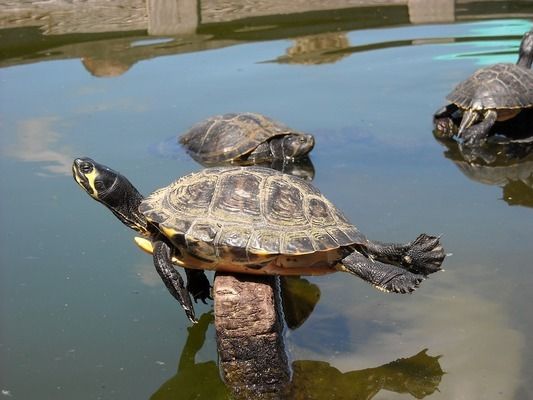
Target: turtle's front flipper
{"type": "Point", "coordinates": [423, 256]}
{"type": "Point", "coordinates": [476, 134]}
{"type": "Point", "coordinates": [198, 285]}
{"type": "Point", "coordinates": [389, 278]}
{"type": "Point", "coordinates": [172, 279]}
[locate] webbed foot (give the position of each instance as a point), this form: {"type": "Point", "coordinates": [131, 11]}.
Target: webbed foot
{"type": "Point", "coordinates": [386, 277]}
{"type": "Point", "coordinates": [403, 283]}
{"type": "Point", "coordinates": [198, 285]}
{"type": "Point", "coordinates": [424, 255]}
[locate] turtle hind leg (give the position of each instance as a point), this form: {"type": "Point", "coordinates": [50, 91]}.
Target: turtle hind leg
{"type": "Point", "coordinates": [476, 134]}
{"type": "Point", "coordinates": [386, 277]}
{"type": "Point", "coordinates": [424, 255]}
{"type": "Point", "coordinates": [198, 285]}
{"type": "Point", "coordinates": [173, 281]}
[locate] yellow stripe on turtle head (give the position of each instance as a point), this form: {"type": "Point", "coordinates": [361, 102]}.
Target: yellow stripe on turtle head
{"type": "Point", "coordinates": [91, 177]}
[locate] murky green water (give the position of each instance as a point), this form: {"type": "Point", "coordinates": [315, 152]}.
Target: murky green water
{"type": "Point", "coordinates": [84, 315]}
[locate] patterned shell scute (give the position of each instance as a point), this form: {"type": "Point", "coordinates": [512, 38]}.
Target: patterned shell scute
{"type": "Point", "coordinates": [251, 210]}
{"type": "Point", "coordinates": [230, 136]}
{"type": "Point", "coordinates": [495, 87]}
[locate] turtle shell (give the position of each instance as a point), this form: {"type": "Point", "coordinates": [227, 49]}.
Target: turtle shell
{"type": "Point", "coordinates": [500, 86]}
{"type": "Point", "coordinates": [230, 136]}
{"type": "Point", "coordinates": [247, 215]}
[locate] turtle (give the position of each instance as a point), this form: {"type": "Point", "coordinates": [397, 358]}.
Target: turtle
{"type": "Point", "coordinates": [244, 138]}
{"type": "Point", "coordinates": [251, 220]}
{"type": "Point", "coordinates": [495, 93]}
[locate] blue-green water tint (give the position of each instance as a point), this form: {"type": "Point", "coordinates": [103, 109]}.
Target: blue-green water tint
{"type": "Point", "coordinates": [84, 314]}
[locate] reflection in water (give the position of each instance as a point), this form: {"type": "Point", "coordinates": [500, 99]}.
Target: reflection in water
{"type": "Point", "coordinates": [418, 375]}
{"type": "Point", "coordinates": [106, 67]}
{"type": "Point", "coordinates": [194, 380]}
{"type": "Point", "coordinates": [316, 49]}
{"type": "Point", "coordinates": [302, 167]}
{"type": "Point", "coordinates": [34, 31]}
{"type": "Point", "coordinates": [299, 298]}
{"type": "Point", "coordinates": [508, 164]}
{"type": "Point", "coordinates": [463, 318]}
{"type": "Point", "coordinates": [37, 142]}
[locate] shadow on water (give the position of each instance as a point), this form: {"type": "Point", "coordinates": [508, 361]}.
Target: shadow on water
{"type": "Point", "coordinates": [418, 375]}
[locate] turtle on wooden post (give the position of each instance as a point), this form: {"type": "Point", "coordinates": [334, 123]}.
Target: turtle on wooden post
{"type": "Point", "coordinates": [251, 220]}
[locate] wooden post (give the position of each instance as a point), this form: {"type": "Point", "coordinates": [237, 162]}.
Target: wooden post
{"type": "Point", "coordinates": [249, 334]}
{"type": "Point", "coordinates": [172, 17]}
{"type": "Point", "coordinates": [431, 11]}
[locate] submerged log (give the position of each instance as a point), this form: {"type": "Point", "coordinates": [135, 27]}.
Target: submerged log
{"type": "Point", "coordinates": [249, 331]}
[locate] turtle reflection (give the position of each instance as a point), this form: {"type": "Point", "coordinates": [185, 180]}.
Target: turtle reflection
{"type": "Point", "coordinates": [194, 380]}
{"type": "Point", "coordinates": [418, 375]}
{"type": "Point", "coordinates": [324, 48]}
{"type": "Point", "coordinates": [508, 164]}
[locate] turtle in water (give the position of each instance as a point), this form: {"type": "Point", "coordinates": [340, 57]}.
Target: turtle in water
{"type": "Point", "coordinates": [251, 220]}
{"type": "Point", "coordinates": [495, 93]}
{"type": "Point", "coordinates": [244, 139]}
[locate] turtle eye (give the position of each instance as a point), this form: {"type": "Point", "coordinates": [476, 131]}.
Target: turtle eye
{"type": "Point", "coordinates": [86, 167]}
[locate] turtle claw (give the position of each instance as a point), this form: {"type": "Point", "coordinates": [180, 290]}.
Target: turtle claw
{"type": "Point", "coordinates": [424, 255]}
{"type": "Point", "coordinates": [403, 283]}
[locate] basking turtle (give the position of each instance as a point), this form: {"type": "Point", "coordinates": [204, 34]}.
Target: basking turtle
{"type": "Point", "coordinates": [251, 220]}
{"type": "Point", "coordinates": [495, 93]}
{"type": "Point", "coordinates": [244, 138]}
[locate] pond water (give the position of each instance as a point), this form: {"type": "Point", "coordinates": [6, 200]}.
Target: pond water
{"type": "Point", "coordinates": [84, 314]}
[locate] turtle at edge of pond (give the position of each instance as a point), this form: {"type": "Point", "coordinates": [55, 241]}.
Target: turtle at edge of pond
{"type": "Point", "coordinates": [244, 138]}
{"type": "Point", "coordinates": [495, 93]}
{"type": "Point", "coordinates": [251, 220]}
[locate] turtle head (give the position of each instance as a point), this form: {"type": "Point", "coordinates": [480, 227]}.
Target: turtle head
{"type": "Point", "coordinates": [112, 190]}
{"type": "Point", "coordinates": [525, 57]}
{"type": "Point", "coordinates": [296, 145]}
{"type": "Point", "coordinates": [96, 179]}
